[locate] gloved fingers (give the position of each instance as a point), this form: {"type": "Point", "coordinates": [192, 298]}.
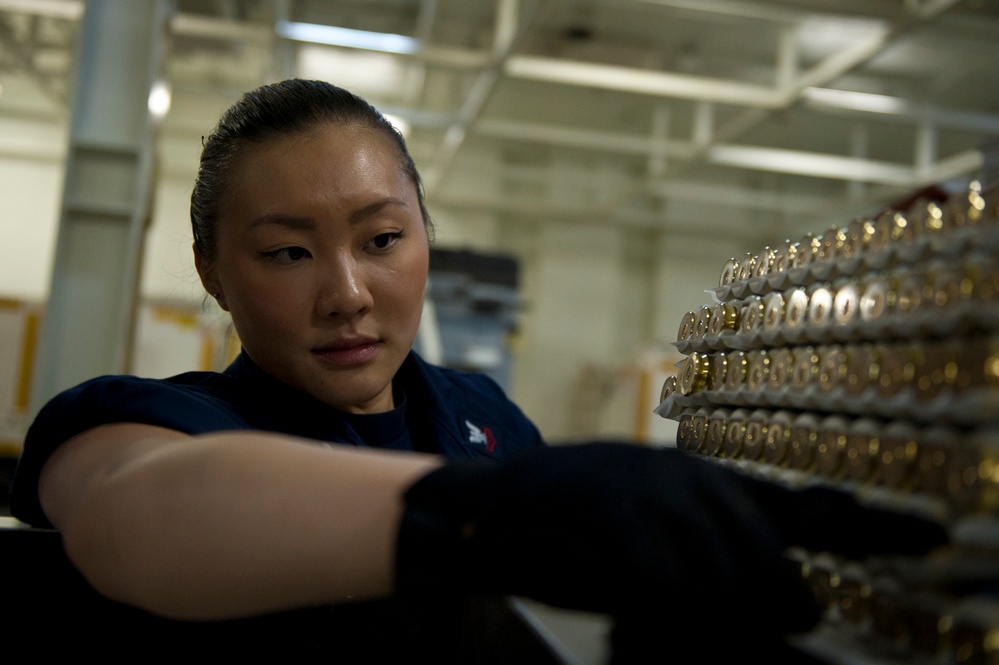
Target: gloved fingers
{"type": "Point", "coordinates": [824, 518]}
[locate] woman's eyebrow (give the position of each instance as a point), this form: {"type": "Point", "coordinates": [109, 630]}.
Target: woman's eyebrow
{"type": "Point", "coordinates": [303, 223]}
{"type": "Point", "coordinates": [367, 211]}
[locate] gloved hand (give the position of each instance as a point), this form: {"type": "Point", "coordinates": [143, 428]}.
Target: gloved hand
{"type": "Point", "coordinates": [634, 531]}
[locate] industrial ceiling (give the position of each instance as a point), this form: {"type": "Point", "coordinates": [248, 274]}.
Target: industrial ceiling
{"type": "Point", "coordinates": [757, 119]}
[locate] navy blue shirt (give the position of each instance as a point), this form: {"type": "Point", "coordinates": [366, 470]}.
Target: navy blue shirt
{"type": "Point", "coordinates": [439, 410]}
{"type": "Point", "coordinates": [457, 414]}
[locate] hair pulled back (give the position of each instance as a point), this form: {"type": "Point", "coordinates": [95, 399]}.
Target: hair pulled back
{"type": "Point", "coordinates": [286, 108]}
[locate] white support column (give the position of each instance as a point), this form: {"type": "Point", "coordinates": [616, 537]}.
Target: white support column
{"type": "Point", "coordinates": [660, 135]}
{"type": "Point", "coordinates": [858, 148]}
{"type": "Point", "coordinates": [787, 57]}
{"type": "Point", "coordinates": [284, 65]}
{"type": "Point", "coordinates": [926, 148]}
{"type": "Point", "coordinates": [106, 196]}
{"type": "Point", "coordinates": [704, 124]}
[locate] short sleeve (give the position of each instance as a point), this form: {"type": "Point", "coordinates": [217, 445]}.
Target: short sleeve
{"type": "Point", "coordinates": [103, 401]}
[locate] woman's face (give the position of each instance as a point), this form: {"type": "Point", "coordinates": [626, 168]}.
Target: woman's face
{"type": "Point", "coordinates": [322, 262]}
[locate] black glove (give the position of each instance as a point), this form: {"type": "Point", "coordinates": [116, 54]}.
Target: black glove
{"type": "Point", "coordinates": [633, 531]}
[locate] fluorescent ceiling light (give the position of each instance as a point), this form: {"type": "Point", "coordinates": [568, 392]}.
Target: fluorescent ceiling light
{"type": "Point", "coordinates": [856, 101]}
{"type": "Point", "coordinates": [159, 99]}
{"type": "Point", "coordinates": [367, 73]}
{"type": "Point", "coordinates": [820, 36]}
{"type": "Point", "coordinates": [811, 164]}
{"type": "Point", "coordinates": [333, 36]}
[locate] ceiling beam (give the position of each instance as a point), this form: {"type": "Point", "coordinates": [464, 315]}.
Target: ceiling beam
{"type": "Point", "coordinates": [754, 158]}
{"type": "Point", "coordinates": [508, 29]}
{"type": "Point", "coordinates": [799, 162]}
{"type": "Point", "coordinates": [67, 9]}
{"type": "Point", "coordinates": [540, 212]}
{"type": "Point", "coordinates": [899, 108]}
{"type": "Point", "coordinates": [587, 139]}
{"type": "Point", "coordinates": [692, 191]}
{"type": "Point", "coordinates": [642, 81]}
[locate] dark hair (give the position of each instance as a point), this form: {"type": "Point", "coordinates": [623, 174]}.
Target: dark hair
{"type": "Point", "coordinates": [280, 109]}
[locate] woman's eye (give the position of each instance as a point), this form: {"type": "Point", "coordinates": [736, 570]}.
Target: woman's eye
{"type": "Point", "coordinates": [385, 240]}
{"type": "Point", "coordinates": [288, 254]}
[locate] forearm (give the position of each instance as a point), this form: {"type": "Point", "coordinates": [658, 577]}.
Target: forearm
{"type": "Point", "coordinates": [240, 523]}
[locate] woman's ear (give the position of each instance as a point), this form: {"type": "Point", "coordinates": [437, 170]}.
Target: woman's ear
{"type": "Point", "coordinates": [209, 277]}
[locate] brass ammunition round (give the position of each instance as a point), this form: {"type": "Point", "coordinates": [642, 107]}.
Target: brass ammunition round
{"type": "Point", "coordinates": [736, 370]}
{"type": "Point", "coordinates": [669, 388]}
{"type": "Point", "coordinates": [773, 311]}
{"type": "Point", "coordinates": [846, 305]}
{"type": "Point", "coordinates": [830, 444]}
{"type": "Point", "coordinates": [861, 368]}
{"type": "Point", "coordinates": [932, 466]}
{"type": "Point", "coordinates": [874, 301]}
{"type": "Point", "coordinates": [897, 452]}
{"type": "Point", "coordinates": [735, 434]}
{"type": "Point", "coordinates": [719, 371]}
{"type": "Point", "coordinates": [916, 219]}
{"type": "Point", "coordinates": [784, 257]}
{"type": "Point", "coordinates": [975, 363]}
{"type": "Point", "coordinates": [805, 250]}
{"type": "Point", "coordinates": [757, 369]}
{"type": "Point", "coordinates": [686, 327]}
{"type": "Point", "coordinates": [751, 315]}
{"type": "Point", "coordinates": [755, 437]}
{"type": "Point", "coordinates": [934, 220]}
{"type": "Point", "coordinates": [858, 234]}
{"type": "Point", "coordinates": [729, 273]}
{"type": "Point", "coordinates": [982, 275]}
{"type": "Point", "coordinates": [780, 368]}
{"type": "Point", "coordinates": [886, 231]}
{"type": "Point", "coordinates": [717, 427]}
{"type": "Point", "coordinates": [948, 284]}
{"type": "Point", "coordinates": [801, 443]}
{"type": "Point", "coordinates": [693, 373]}
{"type": "Point", "coordinates": [795, 308]}
{"type": "Point", "coordinates": [700, 431]}
{"type": "Point", "coordinates": [820, 307]}
{"type": "Point", "coordinates": [860, 454]}
{"type": "Point", "coordinates": [895, 369]}
{"type": "Point", "coordinates": [831, 367]}
{"type": "Point", "coordinates": [804, 371]}
{"type": "Point", "coordinates": [935, 371]}
{"type": "Point", "coordinates": [777, 442]}
{"type": "Point", "coordinates": [723, 317]}
{"type": "Point", "coordinates": [685, 433]}
{"type": "Point", "coordinates": [764, 261]}
{"type": "Point", "coordinates": [746, 268]}
{"type": "Point", "coordinates": [830, 244]}
{"type": "Point", "coordinates": [702, 321]}
{"type": "Point", "coordinates": [910, 292]}
{"type": "Point", "coordinates": [966, 208]}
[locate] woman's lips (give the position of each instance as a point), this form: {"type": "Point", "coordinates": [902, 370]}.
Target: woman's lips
{"type": "Point", "coordinates": [354, 352]}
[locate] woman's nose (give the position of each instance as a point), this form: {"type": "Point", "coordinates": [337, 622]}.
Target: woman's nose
{"type": "Point", "coordinates": [343, 289]}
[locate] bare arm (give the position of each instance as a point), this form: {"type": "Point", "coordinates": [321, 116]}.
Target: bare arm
{"type": "Point", "coordinates": [228, 524]}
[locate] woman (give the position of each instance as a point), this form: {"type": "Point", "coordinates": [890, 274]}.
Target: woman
{"type": "Point", "coordinates": [206, 496]}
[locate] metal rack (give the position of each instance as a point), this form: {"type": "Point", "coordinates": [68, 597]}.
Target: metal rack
{"type": "Point", "coordinates": [867, 358]}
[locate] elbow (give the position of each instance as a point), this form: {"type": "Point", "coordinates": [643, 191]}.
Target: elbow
{"type": "Point", "coordinates": [114, 546]}
{"type": "Point", "coordinates": [89, 544]}
{"type": "Point", "coordinates": [93, 539]}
